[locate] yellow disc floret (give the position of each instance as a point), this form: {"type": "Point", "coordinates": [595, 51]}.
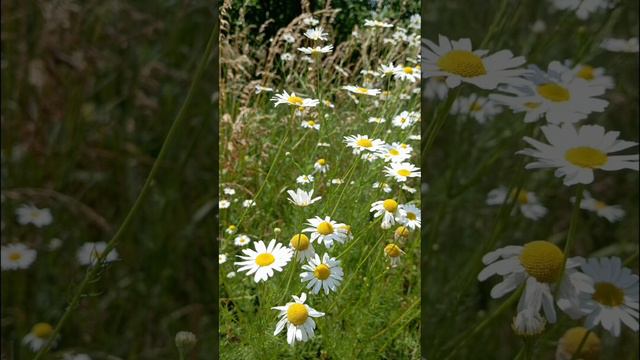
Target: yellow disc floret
{"type": "Point", "coordinates": [365, 143]}
{"type": "Point", "coordinates": [404, 172]}
{"type": "Point", "coordinates": [586, 157]}
{"type": "Point", "coordinates": [297, 314]}
{"type": "Point", "coordinates": [42, 330]}
{"type": "Point", "coordinates": [390, 205]}
{"type": "Point", "coordinates": [321, 162]}
{"type": "Point", "coordinates": [265, 259]}
{"type": "Point", "coordinates": [586, 72]}
{"type": "Point", "coordinates": [402, 231]}
{"type": "Point", "coordinates": [408, 70]}
{"type": "Point", "coordinates": [462, 63]}
{"type": "Point", "coordinates": [392, 250]}
{"type": "Point", "coordinates": [554, 92]}
{"type": "Point", "coordinates": [15, 256]}
{"type": "Point", "coordinates": [322, 272]}
{"type": "Point", "coordinates": [300, 242]}
{"type": "Point", "coordinates": [608, 294]}
{"type": "Point", "coordinates": [295, 100]}
{"type": "Point", "coordinates": [542, 260]}
{"type": "Point", "coordinates": [325, 228]}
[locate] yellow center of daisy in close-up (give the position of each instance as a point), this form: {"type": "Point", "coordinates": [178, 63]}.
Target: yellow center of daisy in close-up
{"type": "Point", "coordinates": [297, 314]}
{"type": "Point", "coordinates": [295, 100]}
{"type": "Point", "coordinates": [390, 205]}
{"type": "Point", "coordinates": [554, 92]}
{"type": "Point", "coordinates": [608, 294]}
{"type": "Point", "coordinates": [404, 172]}
{"type": "Point", "coordinates": [311, 123]}
{"type": "Point", "coordinates": [411, 216]}
{"type": "Point", "coordinates": [322, 272]}
{"type": "Point", "coordinates": [408, 70]}
{"type": "Point", "coordinates": [42, 330]}
{"type": "Point", "coordinates": [346, 228]}
{"type": "Point", "coordinates": [325, 228]}
{"type": "Point", "coordinates": [232, 228]}
{"type": "Point", "coordinates": [586, 72]}
{"type": "Point", "coordinates": [572, 339]}
{"type": "Point", "coordinates": [394, 152]}
{"type": "Point", "coordinates": [265, 259]}
{"type": "Point", "coordinates": [522, 196]}
{"type": "Point", "coordinates": [300, 242]}
{"type": "Point", "coordinates": [402, 231]}
{"type": "Point", "coordinates": [600, 205]}
{"type": "Point", "coordinates": [15, 256]}
{"type": "Point", "coordinates": [366, 143]}
{"type": "Point", "coordinates": [362, 90]}
{"type": "Point", "coordinates": [322, 162]}
{"type": "Point", "coordinates": [392, 250]}
{"type": "Point", "coordinates": [586, 157]}
{"type": "Point", "coordinates": [463, 63]}
{"type": "Point", "coordinates": [542, 260]}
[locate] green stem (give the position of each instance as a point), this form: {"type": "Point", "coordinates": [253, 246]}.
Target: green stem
{"type": "Point", "coordinates": [572, 226]}
{"type": "Point", "coordinates": [177, 123]}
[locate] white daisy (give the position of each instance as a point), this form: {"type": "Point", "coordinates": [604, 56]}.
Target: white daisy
{"type": "Point", "coordinates": [389, 209]}
{"type": "Point", "coordinates": [39, 336]}
{"type": "Point", "coordinates": [229, 191]}
{"type": "Point", "coordinates": [222, 258]}
{"type": "Point", "coordinates": [436, 88]}
{"type": "Point", "coordinates": [231, 229]}
{"type": "Point", "coordinates": [528, 323]}
{"type": "Point", "coordinates": [393, 153]}
{"type": "Point", "coordinates": [264, 260]}
{"type": "Point", "coordinates": [382, 185]}
{"type": "Point", "coordinates": [409, 216]}
{"type": "Point", "coordinates": [376, 120]}
{"type": "Point", "coordinates": [310, 21]}
{"type": "Point", "coordinates": [326, 231]}
{"type": "Point", "coordinates": [336, 181]}
{"type": "Point", "coordinates": [362, 90]}
{"type": "Point", "coordinates": [527, 202]}
{"type": "Point", "coordinates": [224, 204]}
{"type": "Point", "coordinates": [479, 108]}
{"type": "Point", "coordinates": [620, 45]}
{"type": "Point", "coordinates": [407, 73]}
{"type": "Point", "coordinates": [241, 240]}
{"type": "Point", "coordinates": [405, 119]}
{"type": "Point", "coordinates": [248, 203]}
{"type": "Point", "coordinates": [297, 316]}
{"type": "Point", "coordinates": [301, 245]}
{"type": "Point", "coordinates": [17, 256]}
{"type": "Point", "coordinates": [316, 34]}
{"type": "Point", "coordinates": [311, 124]}
{"type": "Point", "coordinates": [393, 252]}
{"type": "Point", "coordinates": [231, 274]}
{"type": "Point", "coordinates": [294, 100]}
{"type": "Point", "coordinates": [402, 171]}
{"type": "Point", "coordinates": [321, 166]}
{"type": "Point", "coordinates": [302, 198]}
{"type": "Point", "coordinates": [360, 143]}
{"type": "Point", "coordinates": [613, 213]}
{"type": "Point", "coordinates": [316, 50]}
{"type": "Point", "coordinates": [388, 70]}
{"type": "Point", "coordinates": [326, 274]}
{"type": "Point", "coordinates": [29, 214]}
{"type": "Point", "coordinates": [89, 253]}
{"type": "Point", "coordinates": [304, 179]}
{"type": "Point", "coordinates": [415, 21]}
{"type": "Point", "coordinates": [577, 153]}
{"type": "Point", "coordinates": [455, 61]}
{"type": "Point", "coordinates": [593, 76]}
{"type": "Point", "coordinates": [376, 23]}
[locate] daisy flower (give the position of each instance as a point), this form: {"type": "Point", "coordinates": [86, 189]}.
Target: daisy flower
{"type": "Point", "coordinates": [222, 258]}
{"type": "Point", "coordinates": [297, 316]}
{"type": "Point", "coordinates": [224, 204]}
{"type": "Point", "coordinates": [577, 153]}
{"type": "Point", "coordinates": [311, 124]}
{"type": "Point", "coordinates": [382, 185]}
{"type": "Point", "coordinates": [326, 274]}
{"type": "Point", "coordinates": [402, 171]}
{"type": "Point", "coordinates": [229, 191]}
{"type": "Point", "coordinates": [376, 23]}
{"type": "Point", "coordinates": [302, 198]}
{"type": "Point", "coordinates": [362, 90]}
{"type": "Point", "coordinates": [260, 89]}
{"type": "Point", "coordinates": [620, 45]}
{"type": "Point", "coordinates": [292, 99]}
{"type": "Point", "coordinates": [570, 341]}
{"type": "Point", "coordinates": [316, 50]}
{"type": "Point", "coordinates": [321, 166]}
{"type": "Point", "coordinates": [287, 57]}
{"type": "Point", "coordinates": [310, 21]}
{"type": "Point", "coordinates": [528, 323]}
{"type": "Point", "coordinates": [29, 214]}
{"type": "Point", "coordinates": [538, 265]}
{"type": "Point", "coordinates": [17, 256]}
{"type": "Point", "coordinates": [593, 76]}
{"type": "Point", "coordinates": [415, 21]}
{"type": "Point", "coordinates": [316, 34]}
{"type": "Point", "coordinates": [241, 240]}
{"type": "Point", "coordinates": [248, 203]}
{"type": "Point", "coordinates": [389, 209]}
{"type": "Point", "coordinates": [360, 143]}
{"type": "Point", "coordinates": [89, 253]}
{"type": "Point", "coordinates": [301, 245]}
{"type": "Point", "coordinates": [304, 179]}
{"type": "Point", "coordinates": [612, 213]}
{"type": "Point", "coordinates": [231, 229]}
{"type": "Point", "coordinates": [526, 201]}
{"type": "Point", "coordinates": [392, 153]}
{"type": "Point", "coordinates": [477, 107]}
{"type": "Point", "coordinates": [394, 252]}
{"type": "Point", "coordinates": [456, 61]}
{"type": "Point", "coordinates": [325, 231]}
{"type": "Point", "coordinates": [231, 274]}
{"type": "Point", "coordinates": [376, 120]}
{"type": "Point", "coordinates": [405, 119]}
{"type": "Point", "coordinates": [264, 259]}
{"type": "Point", "coordinates": [410, 216]}
{"type": "Point", "coordinates": [336, 181]}
{"type": "Point", "coordinates": [388, 70]}
{"type": "Point", "coordinates": [401, 232]}
{"type": "Point", "coordinates": [39, 336]}
{"type": "Point", "coordinates": [409, 189]}
{"type": "Point", "coordinates": [615, 299]}
{"type": "Point", "coordinates": [436, 88]}
{"type": "Point", "coordinates": [407, 73]}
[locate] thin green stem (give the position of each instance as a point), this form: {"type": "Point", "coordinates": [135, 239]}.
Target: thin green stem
{"type": "Point", "coordinates": [576, 353]}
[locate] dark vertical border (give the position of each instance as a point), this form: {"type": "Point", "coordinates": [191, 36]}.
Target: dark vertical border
{"type": "Point", "coordinates": [423, 176]}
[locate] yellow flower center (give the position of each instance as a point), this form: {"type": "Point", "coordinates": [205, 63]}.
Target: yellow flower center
{"type": "Point", "coordinates": [586, 72]}
{"type": "Point", "coordinates": [390, 205]}
{"type": "Point", "coordinates": [608, 294]}
{"type": "Point", "coordinates": [542, 260]}
{"type": "Point", "coordinates": [463, 63]}
{"type": "Point", "coordinates": [404, 172]}
{"type": "Point", "coordinates": [346, 228]}
{"type": "Point", "coordinates": [600, 205]}
{"type": "Point", "coordinates": [321, 162]}
{"type": "Point", "coordinates": [392, 250]}
{"type": "Point", "coordinates": [408, 70]}
{"type": "Point", "coordinates": [15, 256]}
{"type": "Point", "coordinates": [311, 123]}
{"type": "Point", "coordinates": [404, 146]}
{"type": "Point", "coordinates": [295, 100]}
{"type": "Point", "coordinates": [365, 143]}
{"type": "Point", "coordinates": [265, 259]}
{"type": "Point", "coordinates": [522, 196]}
{"type": "Point", "coordinates": [571, 340]}
{"type": "Point", "coordinates": [297, 314]}
{"type": "Point", "coordinates": [554, 92]}
{"type": "Point", "coordinates": [300, 242]}
{"type": "Point", "coordinates": [532, 105]}
{"type": "Point", "coordinates": [325, 228]}
{"type": "Point", "coordinates": [586, 157]}
{"type": "Point", "coordinates": [402, 231]}
{"type": "Point", "coordinates": [42, 330]}
{"type": "Point", "coordinates": [411, 216]}
{"type": "Point", "coordinates": [322, 272]}
{"type": "Point", "coordinates": [475, 107]}
{"type": "Point", "coordinates": [232, 228]}
{"type": "Point", "coordinates": [394, 152]}
{"type": "Point", "coordinates": [362, 90]}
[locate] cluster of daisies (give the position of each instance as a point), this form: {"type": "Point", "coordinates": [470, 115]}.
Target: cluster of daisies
{"type": "Point", "coordinates": [601, 290]}
{"type": "Point", "coordinates": [386, 150]}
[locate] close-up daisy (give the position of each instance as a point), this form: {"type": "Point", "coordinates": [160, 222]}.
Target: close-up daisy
{"type": "Point", "coordinates": [410, 216]}
{"type": "Point", "coordinates": [297, 316]}
{"type": "Point", "coordinates": [577, 153]}
{"type": "Point", "coordinates": [402, 171]}
{"type": "Point", "coordinates": [292, 99]}
{"type": "Point", "coordinates": [362, 90]}
{"type": "Point", "coordinates": [39, 336]}
{"type": "Point", "coordinates": [90, 252]}
{"type": "Point", "coordinates": [264, 260]}
{"type": "Point", "coordinates": [613, 213]}
{"type": "Point", "coordinates": [325, 231]}
{"type": "Point", "coordinates": [316, 34]}
{"type": "Point", "coordinates": [302, 247]}
{"type": "Point", "coordinates": [388, 70]}
{"type": "Point", "coordinates": [311, 124]}
{"type": "Point", "coordinates": [526, 201]}
{"type": "Point", "coordinates": [361, 143]}
{"type": "Point", "coordinates": [393, 252]}
{"type": "Point", "coordinates": [393, 153]}
{"type": "Point", "coordinates": [389, 210]}
{"type": "Point", "coordinates": [405, 119]}
{"type": "Point", "coordinates": [407, 73]}
{"type": "Point", "coordinates": [325, 274]}
{"type": "Point", "coordinates": [29, 214]}
{"type": "Point", "coordinates": [17, 256]}
{"type": "Point", "coordinates": [321, 166]}
{"type": "Point", "coordinates": [302, 198]}
{"type": "Point", "coordinates": [241, 240]}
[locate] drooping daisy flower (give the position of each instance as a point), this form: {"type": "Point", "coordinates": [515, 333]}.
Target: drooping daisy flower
{"type": "Point", "coordinates": [582, 8]}
{"type": "Point", "coordinates": [297, 316]}
{"type": "Point", "coordinates": [526, 201]}
{"type": "Point", "coordinates": [570, 341]}
{"type": "Point", "coordinates": [222, 258]}
{"type": "Point", "coordinates": [17, 256]}
{"type": "Point", "coordinates": [407, 73]}
{"type": "Point", "coordinates": [304, 179]}
{"type": "Point", "coordinates": [311, 124]}
{"type": "Point", "coordinates": [393, 252]}
{"type": "Point", "coordinates": [436, 88]}
{"type": "Point", "coordinates": [576, 154]}
{"type": "Point", "coordinates": [264, 260]}
{"type": "Point", "coordinates": [479, 108]}
{"type": "Point", "coordinates": [615, 299]}
{"type": "Point", "coordinates": [29, 214]}
{"type": "Point", "coordinates": [409, 216]}
{"type": "Point", "coordinates": [360, 143]}
{"type": "Point", "coordinates": [389, 209]}
{"type": "Point", "coordinates": [89, 253]}
{"type": "Point", "coordinates": [405, 119]}
{"type": "Point", "coordinates": [612, 213]}
{"type": "Point", "coordinates": [294, 100]}
{"type": "Point", "coordinates": [301, 245]}
{"type": "Point", "coordinates": [321, 166]}
{"type": "Point", "coordinates": [316, 34]}
{"type": "Point", "coordinates": [620, 45]}
{"type": "Point", "coordinates": [260, 89]}
{"type": "Point", "coordinates": [302, 198]}
{"type": "Point", "coordinates": [316, 50]}
{"type": "Point", "coordinates": [39, 336]}
{"type": "Point", "coordinates": [224, 204]}
{"type": "Point", "coordinates": [539, 265]}
{"type": "Point", "coordinates": [402, 171]}
{"type": "Point", "coordinates": [325, 231]}
{"type": "Point", "coordinates": [376, 23]}
{"type": "Point", "coordinates": [326, 274]}
{"type": "Point", "coordinates": [241, 240]}
{"type": "Point", "coordinates": [401, 232]}
{"type": "Point", "coordinates": [382, 185]}
{"type": "Point", "coordinates": [362, 90]}
{"type": "Point", "coordinates": [456, 61]}
{"type": "Point", "coordinates": [528, 323]}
